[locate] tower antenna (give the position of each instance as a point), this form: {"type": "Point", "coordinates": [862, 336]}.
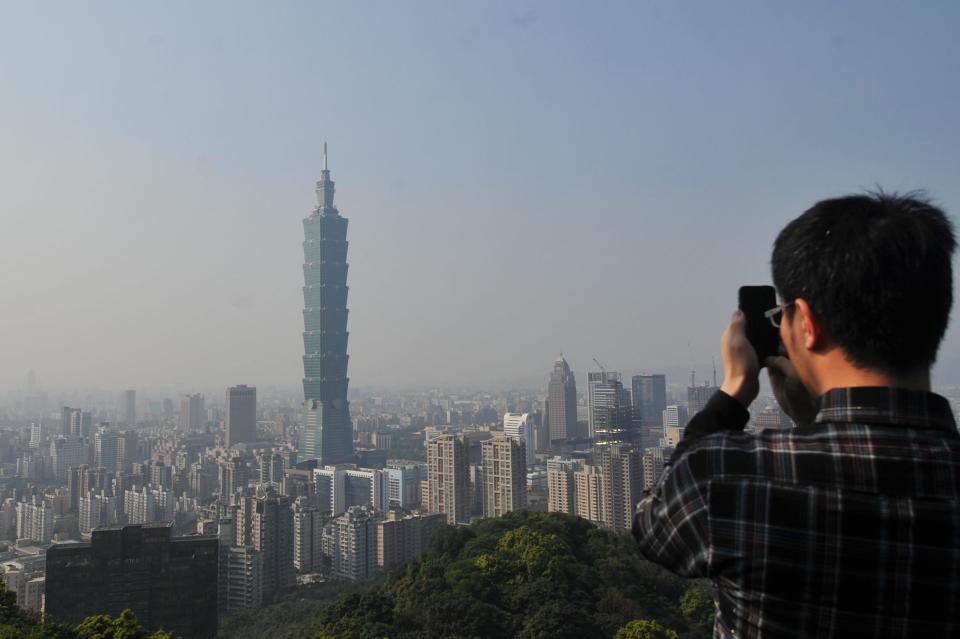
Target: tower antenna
{"type": "Point", "coordinates": [325, 168]}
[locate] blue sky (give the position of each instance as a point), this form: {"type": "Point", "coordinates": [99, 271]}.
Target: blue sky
{"type": "Point", "coordinates": [521, 178]}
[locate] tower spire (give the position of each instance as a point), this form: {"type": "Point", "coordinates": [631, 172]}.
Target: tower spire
{"type": "Point", "coordinates": [325, 167]}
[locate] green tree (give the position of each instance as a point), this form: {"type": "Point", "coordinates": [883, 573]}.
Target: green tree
{"type": "Point", "coordinates": [699, 609]}
{"type": "Point", "coordinates": [645, 629]}
{"type": "Point", "coordinates": [124, 626]}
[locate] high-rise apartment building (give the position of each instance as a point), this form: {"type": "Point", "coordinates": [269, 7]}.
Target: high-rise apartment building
{"type": "Point", "coordinates": [561, 485]}
{"type": "Point", "coordinates": [674, 417]}
{"type": "Point", "coordinates": [560, 414]}
{"type": "Point", "coordinates": [589, 493]}
{"type": "Point", "coordinates": [97, 510]}
{"type": "Point", "coordinates": [307, 537]}
{"type": "Point", "coordinates": [129, 407]}
{"type": "Point", "coordinates": [327, 433]}
{"type": "Point", "coordinates": [35, 520]}
{"type": "Point", "coordinates": [622, 473]}
{"type": "Point", "coordinates": [448, 478]}
{"type": "Point", "coordinates": [402, 538]}
{"type": "Point", "coordinates": [168, 582]}
{"type": "Point", "coordinates": [504, 475]}
{"type": "Point", "coordinates": [75, 422]}
{"type": "Point", "coordinates": [344, 485]}
{"type": "Point", "coordinates": [240, 577]}
{"type": "Point", "coordinates": [266, 523]}
{"type": "Point", "coordinates": [520, 426]}
{"type": "Point", "coordinates": [241, 419]}
{"type": "Point", "coordinates": [354, 543]}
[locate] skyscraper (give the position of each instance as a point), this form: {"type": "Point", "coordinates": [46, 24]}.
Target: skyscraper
{"type": "Point", "coordinates": [130, 408]}
{"type": "Point", "coordinates": [560, 417]}
{"type": "Point", "coordinates": [650, 398]}
{"type": "Point", "coordinates": [611, 416]}
{"type": "Point", "coordinates": [241, 422]}
{"type": "Point", "coordinates": [192, 414]}
{"type": "Point", "coordinates": [327, 431]}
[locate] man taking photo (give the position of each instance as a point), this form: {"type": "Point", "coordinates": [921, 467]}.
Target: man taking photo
{"type": "Point", "coordinates": [849, 524]}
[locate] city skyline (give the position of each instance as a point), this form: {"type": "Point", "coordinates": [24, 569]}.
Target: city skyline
{"type": "Point", "coordinates": [638, 160]}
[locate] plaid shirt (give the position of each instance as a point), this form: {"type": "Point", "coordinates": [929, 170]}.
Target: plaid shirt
{"type": "Point", "coordinates": [847, 527]}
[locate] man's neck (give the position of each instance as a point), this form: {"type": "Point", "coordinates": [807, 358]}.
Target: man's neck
{"type": "Point", "coordinates": [835, 371]}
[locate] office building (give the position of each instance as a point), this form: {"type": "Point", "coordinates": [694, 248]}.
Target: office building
{"type": "Point", "coordinates": [168, 582]}
{"type": "Point", "coordinates": [232, 475]}
{"type": "Point", "coordinates": [560, 411]}
{"type": "Point", "coordinates": [193, 415]}
{"type": "Point", "coordinates": [504, 476]}
{"type": "Point", "coordinates": [307, 537]}
{"type": "Point", "coordinates": [649, 398]}
{"type": "Point", "coordinates": [674, 417]}
{"type": "Point", "coordinates": [698, 396]}
{"type": "Point", "coordinates": [611, 413]}
{"type": "Point", "coordinates": [448, 478]}
{"type": "Point", "coordinates": [653, 463]}
{"type": "Point", "coordinates": [107, 452]}
{"type": "Point", "coordinates": [66, 452]}
{"type": "Point", "coordinates": [520, 426]}
{"type": "Point", "coordinates": [404, 482]}
{"type": "Point", "coordinates": [561, 485]}
{"type": "Point", "coordinates": [75, 422]}
{"type": "Point", "coordinates": [129, 407]}
{"type": "Point", "coordinates": [402, 538]}
{"type": "Point", "coordinates": [38, 435]}
{"type": "Point", "coordinates": [327, 433]}
{"type": "Point", "coordinates": [241, 420]}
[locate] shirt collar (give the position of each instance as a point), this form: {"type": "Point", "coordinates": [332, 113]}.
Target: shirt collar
{"type": "Point", "coordinates": [886, 405]}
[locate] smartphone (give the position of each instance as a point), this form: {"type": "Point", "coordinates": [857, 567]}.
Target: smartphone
{"type": "Point", "coordinates": [754, 301]}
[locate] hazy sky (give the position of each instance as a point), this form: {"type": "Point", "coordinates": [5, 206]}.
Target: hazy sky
{"type": "Point", "coordinates": [521, 178]}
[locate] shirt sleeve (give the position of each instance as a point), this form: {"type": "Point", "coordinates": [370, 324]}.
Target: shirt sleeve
{"type": "Point", "coordinates": [671, 525]}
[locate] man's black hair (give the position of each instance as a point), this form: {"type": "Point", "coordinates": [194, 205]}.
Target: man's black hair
{"type": "Point", "coordinates": [876, 269]}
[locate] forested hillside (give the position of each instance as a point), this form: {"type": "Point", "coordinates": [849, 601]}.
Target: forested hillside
{"type": "Point", "coordinates": [521, 575]}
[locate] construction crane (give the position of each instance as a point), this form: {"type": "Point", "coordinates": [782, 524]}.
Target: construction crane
{"type": "Point", "coordinates": [603, 368]}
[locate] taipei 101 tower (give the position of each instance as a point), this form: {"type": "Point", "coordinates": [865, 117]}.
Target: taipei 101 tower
{"type": "Point", "coordinates": [327, 433]}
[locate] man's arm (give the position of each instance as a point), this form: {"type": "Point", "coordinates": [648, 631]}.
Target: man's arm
{"type": "Point", "coordinates": [671, 525]}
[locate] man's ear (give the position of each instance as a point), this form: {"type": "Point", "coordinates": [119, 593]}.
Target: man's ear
{"type": "Point", "coordinates": [813, 333]}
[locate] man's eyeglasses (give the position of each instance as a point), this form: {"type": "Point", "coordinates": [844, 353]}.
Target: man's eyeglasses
{"type": "Point", "coordinates": [775, 313]}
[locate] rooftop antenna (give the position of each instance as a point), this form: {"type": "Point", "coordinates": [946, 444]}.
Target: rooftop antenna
{"type": "Point", "coordinates": [325, 168]}
{"type": "Point", "coordinates": [693, 378]}
{"type": "Point", "coordinates": [714, 372]}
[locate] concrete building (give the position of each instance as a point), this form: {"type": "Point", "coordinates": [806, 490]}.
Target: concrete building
{"type": "Point", "coordinates": [622, 481]}
{"type": "Point", "coordinates": [402, 538]}
{"type": "Point", "coordinates": [241, 418]}
{"type": "Point", "coordinates": [561, 485]}
{"type": "Point", "coordinates": [193, 415]}
{"type": "Point", "coordinates": [675, 417]}
{"type": "Point", "coordinates": [168, 582]}
{"type": "Point", "coordinates": [404, 482]}
{"type": "Point", "coordinates": [96, 511]}
{"type": "Point", "coordinates": [504, 476]}
{"type": "Point", "coordinates": [265, 521]}
{"type": "Point", "coordinates": [649, 398]}
{"type": "Point", "coordinates": [65, 452]}
{"type": "Point", "coordinates": [341, 486]}
{"type": "Point", "coordinates": [240, 578]}
{"type": "Point", "coordinates": [520, 426]}
{"type": "Point", "coordinates": [308, 524]}
{"type": "Point", "coordinates": [448, 478]}
{"type": "Point", "coordinates": [35, 520]}
{"type": "Point", "coordinates": [129, 407]}
{"type": "Point", "coordinates": [106, 445]}
{"type": "Point", "coordinates": [354, 536]}
{"type": "Point", "coordinates": [589, 493]}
